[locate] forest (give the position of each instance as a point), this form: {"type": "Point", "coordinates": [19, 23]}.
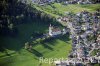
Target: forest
{"type": "Point", "coordinates": [14, 13]}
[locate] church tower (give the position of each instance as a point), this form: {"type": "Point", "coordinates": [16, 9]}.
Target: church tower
{"type": "Point", "coordinates": [50, 30]}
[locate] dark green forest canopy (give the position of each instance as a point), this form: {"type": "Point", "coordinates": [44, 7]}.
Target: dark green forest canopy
{"type": "Point", "coordinates": [14, 12]}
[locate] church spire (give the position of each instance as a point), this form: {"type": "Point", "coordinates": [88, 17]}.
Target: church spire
{"type": "Point", "coordinates": [50, 25]}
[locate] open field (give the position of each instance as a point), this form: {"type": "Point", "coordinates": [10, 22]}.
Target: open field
{"type": "Point", "coordinates": [56, 48]}
{"type": "Point", "coordinates": [16, 55]}
{"type": "Point", "coordinates": [58, 9]}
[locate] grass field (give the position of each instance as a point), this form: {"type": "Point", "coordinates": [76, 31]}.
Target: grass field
{"type": "Point", "coordinates": [56, 48]}
{"type": "Point", "coordinates": [95, 51]}
{"type": "Point", "coordinates": [58, 9]}
{"type": "Point", "coordinates": [16, 55]}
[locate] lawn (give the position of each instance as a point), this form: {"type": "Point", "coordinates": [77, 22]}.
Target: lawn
{"type": "Point", "coordinates": [95, 51]}
{"type": "Point", "coordinates": [58, 9]}
{"type": "Point", "coordinates": [55, 48]}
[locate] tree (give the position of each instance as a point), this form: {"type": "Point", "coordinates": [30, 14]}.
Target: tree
{"type": "Point", "coordinates": [11, 26]}
{"type": "Point", "coordinates": [30, 48]}
{"type": "Point", "coordinates": [27, 45]}
{"type": "Point", "coordinates": [95, 1]}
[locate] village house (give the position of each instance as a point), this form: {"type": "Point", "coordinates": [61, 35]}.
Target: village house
{"type": "Point", "coordinates": [83, 27]}
{"type": "Point", "coordinates": [98, 40]}
{"type": "Point", "coordinates": [42, 2]}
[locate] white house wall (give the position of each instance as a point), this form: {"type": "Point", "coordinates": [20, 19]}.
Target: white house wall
{"type": "Point", "coordinates": [56, 33]}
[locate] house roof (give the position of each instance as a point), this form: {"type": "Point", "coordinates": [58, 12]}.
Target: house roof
{"type": "Point", "coordinates": [56, 29]}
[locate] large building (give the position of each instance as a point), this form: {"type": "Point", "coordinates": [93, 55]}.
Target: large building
{"type": "Point", "coordinates": [54, 30]}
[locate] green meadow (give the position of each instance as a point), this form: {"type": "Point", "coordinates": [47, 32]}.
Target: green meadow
{"type": "Point", "coordinates": [57, 9]}
{"type": "Point", "coordinates": [16, 55]}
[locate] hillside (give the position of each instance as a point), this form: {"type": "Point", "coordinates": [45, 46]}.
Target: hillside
{"type": "Point", "coordinates": [13, 19]}
{"type": "Point", "coordinates": [58, 9]}
{"type": "Point", "coordinates": [19, 24]}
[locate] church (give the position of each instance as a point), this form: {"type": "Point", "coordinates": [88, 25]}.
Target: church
{"type": "Point", "coordinates": [53, 31]}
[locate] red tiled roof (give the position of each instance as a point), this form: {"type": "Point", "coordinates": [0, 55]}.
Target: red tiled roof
{"type": "Point", "coordinates": [55, 30]}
